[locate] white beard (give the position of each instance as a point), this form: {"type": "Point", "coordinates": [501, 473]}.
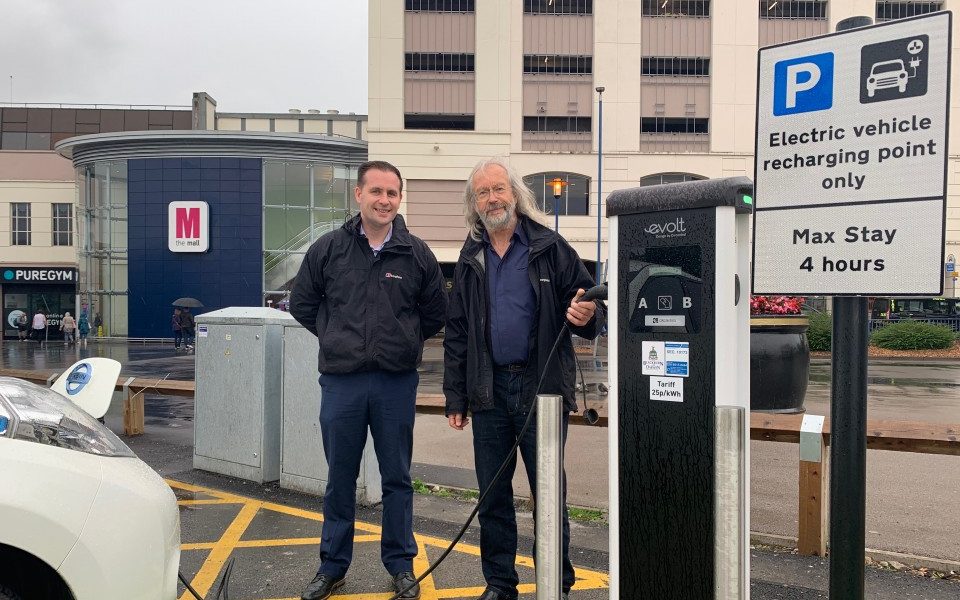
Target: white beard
{"type": "Point", "coordinates": [501, 221]}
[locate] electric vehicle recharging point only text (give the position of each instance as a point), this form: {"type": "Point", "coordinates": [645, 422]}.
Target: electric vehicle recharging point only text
{"type": "Point", "coordinates": [679, 310]}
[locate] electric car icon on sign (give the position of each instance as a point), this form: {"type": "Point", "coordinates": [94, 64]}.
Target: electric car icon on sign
{"type": "Point", "coordinates": [887, 74]}
{"type": "Point", "coordinates": [81, 517]}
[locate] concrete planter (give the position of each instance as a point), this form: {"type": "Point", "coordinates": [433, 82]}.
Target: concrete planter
{"type": "Point", "coordinates": [779, 363]}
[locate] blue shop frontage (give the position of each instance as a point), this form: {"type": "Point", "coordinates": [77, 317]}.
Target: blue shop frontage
{"type": "Point", "coordinates": [222, 217]}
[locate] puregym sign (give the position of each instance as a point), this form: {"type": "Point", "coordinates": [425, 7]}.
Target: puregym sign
{"type": "Point", "coordinates": [188, 226]}
{"type": "Point", "coordinates": [39, 275]}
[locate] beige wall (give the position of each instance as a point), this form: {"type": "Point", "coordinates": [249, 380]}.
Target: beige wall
{"type": "Point", "coordinates": [35, 166]}
{"type": "Point", "coordinates": [42, 179]}
{"type": "Point", "coordinates": [41, 195]}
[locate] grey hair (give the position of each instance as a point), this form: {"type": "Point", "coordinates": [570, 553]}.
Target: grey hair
{"type": "Point", "coordinates": [526, 201]}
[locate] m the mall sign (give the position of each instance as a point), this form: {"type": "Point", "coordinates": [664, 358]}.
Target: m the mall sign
{"type": "Point", "coordinates": [188, 226]}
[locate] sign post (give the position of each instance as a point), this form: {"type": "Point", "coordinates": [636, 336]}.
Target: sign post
{"type": "Point", "coordinates": [850, 178]}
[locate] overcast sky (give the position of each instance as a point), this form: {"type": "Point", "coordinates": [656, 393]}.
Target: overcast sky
{"type": "Point", "coordinates": [265, 56]}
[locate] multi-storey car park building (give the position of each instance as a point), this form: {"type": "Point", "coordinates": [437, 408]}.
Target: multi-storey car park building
{"type": "Point", "coordinates": [454, 81]}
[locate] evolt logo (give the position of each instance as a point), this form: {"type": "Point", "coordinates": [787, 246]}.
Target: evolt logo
{"type": "Point", "coordinates": [669, 229]}
{"type": "Point", "coordinates": [803, 84]}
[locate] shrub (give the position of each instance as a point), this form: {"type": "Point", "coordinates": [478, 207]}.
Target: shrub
{"type": "Point", "coordinates": [820, 333]}
{"type": "Point", "coordinates": [913, 335]}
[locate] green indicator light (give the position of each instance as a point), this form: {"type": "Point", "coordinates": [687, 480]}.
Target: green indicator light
{"type": "Point", "coordinates": [747, 199]}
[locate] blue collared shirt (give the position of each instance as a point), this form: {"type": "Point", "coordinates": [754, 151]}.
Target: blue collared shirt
{"type": "Point", "coordinates": [377, 249]}
{"type": "Point", "coordinates": [513, 304]}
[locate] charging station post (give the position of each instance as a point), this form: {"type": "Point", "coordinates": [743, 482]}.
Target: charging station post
{"type": "Point", "coordinates": [680, 390]}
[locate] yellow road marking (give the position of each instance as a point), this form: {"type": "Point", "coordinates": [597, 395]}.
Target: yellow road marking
{"type": "Point", "coordinates": [428, 587]}
{"type": "Point", "coordinates": [222, 550]}
{"type": "Point", "coordinates": [203, 502]}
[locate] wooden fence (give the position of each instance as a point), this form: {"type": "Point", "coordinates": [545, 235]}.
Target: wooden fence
{"type": "Point", "coordinates": [901, 436]}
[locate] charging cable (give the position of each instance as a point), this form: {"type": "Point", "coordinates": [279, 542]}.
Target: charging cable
{"type": "Point", "coordinates": [598, 292]}
{"type": "Point", "coordinates": [221, 593]}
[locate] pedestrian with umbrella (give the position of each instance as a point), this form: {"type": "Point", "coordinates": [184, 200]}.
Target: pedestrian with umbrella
{"type": "Point", "coordinates": [186, 319]}
{"type": "Point", "coordinates": [177, 329]}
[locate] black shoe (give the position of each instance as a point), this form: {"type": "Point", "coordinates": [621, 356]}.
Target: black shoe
{"type": "Point", "coordinates": [321, 587]}
{"type": "Point", "coordinates": [489, 594]}
{"type": "Point", "coordinates": [402, 581]}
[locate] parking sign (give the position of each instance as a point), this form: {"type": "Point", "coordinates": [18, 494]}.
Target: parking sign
{"type": "Point", "coordinates": [851, 160]}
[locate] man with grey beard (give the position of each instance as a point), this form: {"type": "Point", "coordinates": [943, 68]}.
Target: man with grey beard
{"type": "Point", "coordinates": [515, 284]}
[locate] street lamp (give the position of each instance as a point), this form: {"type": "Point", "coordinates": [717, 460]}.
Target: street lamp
{"type": "Point", "coordinates": [557, 186]}
{"type": "Point", "coordinates": [599, 176]}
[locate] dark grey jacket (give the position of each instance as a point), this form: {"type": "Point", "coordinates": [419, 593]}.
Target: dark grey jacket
{"type": "Point", "coordinates": [556, 273]}
{"type": "Point", "coordinates": [369, 313]}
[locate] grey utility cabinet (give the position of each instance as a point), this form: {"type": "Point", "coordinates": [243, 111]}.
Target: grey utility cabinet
{"type": "Point", "coordinates": [303, 464]}
{"type": "Point", "coordinates": [239, 392]}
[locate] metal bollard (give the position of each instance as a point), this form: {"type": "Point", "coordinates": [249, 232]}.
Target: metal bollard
{"type": "Point", "coordinates": [549, 497]}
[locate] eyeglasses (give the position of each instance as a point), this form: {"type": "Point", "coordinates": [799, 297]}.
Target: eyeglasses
{"type": "Point", "coordinates": [498, 190]}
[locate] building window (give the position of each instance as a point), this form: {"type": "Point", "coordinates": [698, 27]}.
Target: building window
{"type": "Point", "coordinates": [439, 61]}
{"type": "Point", "coordinates": [423, 121]}
{"type": "Point", "coordinates": [674, 125]}
{"type": "Point", "coordinates": [440, 5]}
{"type": "Point", "coordinates": [813, 10]}
{"type": "Point", "coordinates": [573, 200]}
{"type": "Point", "coordinates": [20, 224]}
{"type": "Point", "coordinates": [675, 66]}
{"type": "Point", "coordinates": [889, 11]}
{"type": "Point", "coordinates": [676, 8]}
{"type": "Point", "coordinates": [13, 140]}
{"type": "Point", "coordinates": [63, 224]}
{"type": "Point", "coordinates": [557, 63]}
{"type": "Point", "coordinates": [661, 178]}
{"type": "Point", "coordinates": [557, 124]}
{"type": "Point", "coordinates": [558, 7]}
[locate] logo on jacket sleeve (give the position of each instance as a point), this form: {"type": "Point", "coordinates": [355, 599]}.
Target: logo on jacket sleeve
{"type": "Point", "coordinates": [390, 275]}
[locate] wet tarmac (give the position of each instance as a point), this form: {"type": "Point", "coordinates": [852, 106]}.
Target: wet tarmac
{"type": "Point", "coordinates": [911, 497]}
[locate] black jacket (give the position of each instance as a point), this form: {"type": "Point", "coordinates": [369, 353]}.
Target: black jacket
{"type": "Point", "coordinates": [369, 312]}
{"type": "Point", "coordinates": [556, 273]}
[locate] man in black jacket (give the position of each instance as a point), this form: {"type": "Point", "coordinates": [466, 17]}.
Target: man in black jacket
{"type": "Point", "coordinates": [515, 284]}
{"type": "Point", "coordinates": [372, 293]}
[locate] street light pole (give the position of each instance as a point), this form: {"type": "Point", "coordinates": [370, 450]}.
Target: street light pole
{"type": "Point", "coordinates": [557, 186]}
{"type": "Point", "coordinates": [599, 177]}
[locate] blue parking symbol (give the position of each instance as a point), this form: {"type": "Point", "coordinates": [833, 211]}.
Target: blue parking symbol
{"type": "Point", "coordinates": [803, 84]}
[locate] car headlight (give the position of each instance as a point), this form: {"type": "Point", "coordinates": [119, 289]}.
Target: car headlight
{"type": "Point", "coordinates": [36, 414]}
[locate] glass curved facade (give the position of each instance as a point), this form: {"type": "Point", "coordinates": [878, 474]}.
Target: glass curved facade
{"type": "Point", "coordinates": [302, 201]}
{"type": "Point", "coordinates": [102, 247]}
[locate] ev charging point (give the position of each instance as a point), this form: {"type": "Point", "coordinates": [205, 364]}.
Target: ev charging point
{"type": "Point", "coordinates": [679, 398]}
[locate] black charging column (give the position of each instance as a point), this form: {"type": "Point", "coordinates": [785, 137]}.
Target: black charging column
{"type": "Point", "coordinates": [679, 390]}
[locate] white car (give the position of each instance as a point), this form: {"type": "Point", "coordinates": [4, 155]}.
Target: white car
{"type": "Point", "coordinates": [887, 74]}
{"type": "Point", "coordinates": [81, 517]}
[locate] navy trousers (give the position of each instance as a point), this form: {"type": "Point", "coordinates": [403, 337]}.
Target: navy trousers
{"type": "Point", "coordinates": [494, 432]}
{"type": "Point", "coordinates": [386, 404]}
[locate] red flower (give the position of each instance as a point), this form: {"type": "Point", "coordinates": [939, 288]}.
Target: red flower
{"type": "Point", "coordinates": [776, 305]}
